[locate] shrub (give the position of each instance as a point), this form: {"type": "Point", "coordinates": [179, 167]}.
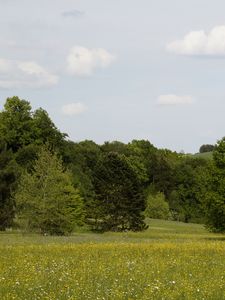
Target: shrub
{"type": "Point", "coordinates": [157, 207]}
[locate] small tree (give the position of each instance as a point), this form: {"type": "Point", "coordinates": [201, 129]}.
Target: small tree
{"type": "Point", "coordinates": [157, 207]}
{"type": "Point", "coordinates": [46, 199]}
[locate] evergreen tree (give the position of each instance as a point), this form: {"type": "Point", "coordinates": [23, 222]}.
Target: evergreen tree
{"type": "Point", "coordinates": [46, 199]}
{"type": "Point", "coordinates": [8, 176]}
{"type": "Point", "coordinates": [119, 199]}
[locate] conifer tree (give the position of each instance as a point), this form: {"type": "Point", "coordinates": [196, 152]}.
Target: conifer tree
{"type": "Point", "coordinates": [8, 177]}
{"type": "Point", "coordinates": [119, 199]}
{"type": "Point", "coordinates": [46, 199]}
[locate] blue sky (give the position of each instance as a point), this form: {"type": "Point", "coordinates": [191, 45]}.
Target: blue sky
{"type": "Point", "coordinates": [119, 70]}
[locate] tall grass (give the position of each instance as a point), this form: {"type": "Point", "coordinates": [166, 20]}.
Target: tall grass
{"type": "Point", "coordinates": [169, 261]}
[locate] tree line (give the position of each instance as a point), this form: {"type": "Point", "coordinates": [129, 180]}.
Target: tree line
{"type": "Point", "coordinates": [52, 185]}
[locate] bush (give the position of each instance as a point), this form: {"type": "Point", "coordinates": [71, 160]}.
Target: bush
{"type": "Point", "coordinates": [157, 207]}
{"type": "Point", "coordinates": [206, 148]}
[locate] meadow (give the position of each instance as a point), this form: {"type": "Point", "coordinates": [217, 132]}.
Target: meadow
{"type": "Point", "coordinates": [170, 260]}
{"type": "Point", "coordinates": [205, 155]}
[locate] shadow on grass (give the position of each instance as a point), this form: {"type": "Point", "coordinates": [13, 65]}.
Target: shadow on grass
{"type": "Point", "coordinates": [215, 238]}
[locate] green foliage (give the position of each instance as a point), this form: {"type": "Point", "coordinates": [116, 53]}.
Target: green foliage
{"type": "Point", "coordinates": [26, 156]}
{"type": "Point", "coordinates": [114, 146]}
{"type": "Point", "coordinates": [184, 200]}
{"type": "Point", "coordinates": [81, 159]}
{"type": "Point", "coordinates": [138, 167]}
{"type": "Point", "coordinates": [219, 154]}
{"type": "Point", "coordinates": [16, 123]}
{"type": "Point", "coordinates": [137, 155]}
{"type": "Point", "coordinates": [46, 199]}
{"type": "Point", "coordinates": [45, 130]}
{"type": "Point", "coordinates": [21, 127]}
{"type": "Point", "coordinates": [214, 196]}
{"type": "Point", "coordinates": [119, 199]}
{"type": "Point", "coordinates": [8, 176]}
{"type": "Point", "coordinates": [206, 148]}
{"type": "Point", "coordinates": [143, 154]}
{"type": "Point", "coordinates": [205, 155]}
{"type": "Point", "coordinates": [157, 207]}
{"type": "Point", "coordinates": [111, 178]}
{"type": "Point", "coordinates": [163, 171]}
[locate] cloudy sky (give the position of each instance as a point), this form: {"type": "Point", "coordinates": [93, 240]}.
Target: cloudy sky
{"type": "Point", "coordinates": [119, 69]}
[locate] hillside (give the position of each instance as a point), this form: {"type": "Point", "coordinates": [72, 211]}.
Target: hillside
{"type": "Point", "coordinates": [206, 155]}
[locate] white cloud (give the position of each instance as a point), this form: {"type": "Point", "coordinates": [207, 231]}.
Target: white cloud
{"type": "Point", "coordinates": [17, 74]}
{"type": "Point", "coordinates": [201, 43]}
{"type": "Point", "coordinates": [174, 100]}
{"type": "Point", "coordinates": [72, 109]}
{"type": "Point", "coordinates": [83, 61]}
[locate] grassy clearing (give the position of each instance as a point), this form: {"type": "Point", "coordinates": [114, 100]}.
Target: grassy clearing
{"type": "Point", "coordinates": [206, 155]}
{"type": "Point", "coordinates": [169, 261]}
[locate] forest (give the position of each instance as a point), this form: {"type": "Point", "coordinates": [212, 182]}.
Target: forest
{"type": "Point", "coordinates": [52, 185]}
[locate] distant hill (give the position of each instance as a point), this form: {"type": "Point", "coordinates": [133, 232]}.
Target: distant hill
{"type": "Point", "coordinates": [206, 155]}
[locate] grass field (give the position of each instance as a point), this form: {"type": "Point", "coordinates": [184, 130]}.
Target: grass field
{"type": "Point", "coordinates": [168, 261]}
{"type": "Point", "coordinates": [206, 155]}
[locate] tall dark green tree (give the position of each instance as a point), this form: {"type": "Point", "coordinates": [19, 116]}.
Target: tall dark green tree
{"type": "Point", "coordinates": [8, 176]}
{"type": "Point", "coordinates": [214, 197]}
{"type": "Point", "coordinates": [163, 171]}
{"type": "Point", "coordinates": [26, 156]}
{"type": "Point", "coordinates": [185, 200]}
{"type": "Point", "coordinates": [118, 194]}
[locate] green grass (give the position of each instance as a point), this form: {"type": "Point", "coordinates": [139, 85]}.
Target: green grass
{"type": "Point", "coordinates": [170, 260]}
{"type": "Point", "coordinates": [158, 231]}
{"type": "Point", "coordinates": [206, 155]}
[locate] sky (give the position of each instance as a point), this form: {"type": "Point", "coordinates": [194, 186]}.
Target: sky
{"type": "Point", "coordinates": [110, 70]}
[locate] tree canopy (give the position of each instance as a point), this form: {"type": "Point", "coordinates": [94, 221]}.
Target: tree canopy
{"type": "Point", "coordinates": [214, 196]}
{"type": "Point", "coordinates": [110, 183]}
{"type": "Point", "coordinates": [206, 148]}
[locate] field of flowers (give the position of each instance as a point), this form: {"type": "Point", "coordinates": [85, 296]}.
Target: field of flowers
{"type": "Point", "coordinates": [169, 261]}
